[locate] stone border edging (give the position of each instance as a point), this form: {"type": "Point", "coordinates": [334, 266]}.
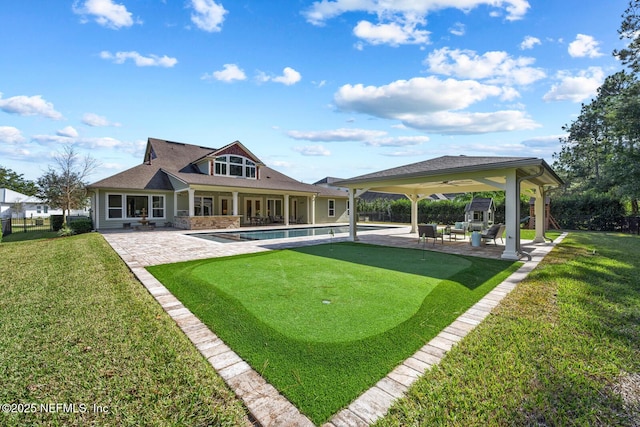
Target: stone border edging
{"type": "Point", "coordinates": [270, 408]}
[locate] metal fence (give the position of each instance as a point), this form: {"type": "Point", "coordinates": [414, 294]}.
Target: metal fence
{"type": "Point", "coordinates": [25, 225]}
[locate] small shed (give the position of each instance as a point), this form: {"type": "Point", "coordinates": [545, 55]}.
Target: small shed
{"type": "Point", "coordinates": [479, 213]}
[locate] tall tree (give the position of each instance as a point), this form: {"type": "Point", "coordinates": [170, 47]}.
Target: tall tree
{"type": "Point", "coordinates": [16, 182]}
{"type": "Point", "coordinates": [64, 186]}
{"type": "Point", "coordinates": [601, 152]}
{"type": "Point", "coordinates": [630, 55]}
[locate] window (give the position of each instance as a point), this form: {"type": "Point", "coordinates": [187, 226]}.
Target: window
{"type": "Point", "coordinates": [203, 206]}
{"type": "Point", "coordinates": [332, 208]}
{"type": "Point", "coordinates": [120, 206]}
{"type": "Point", "coordinates": [274, 207]}
{"type": "Point", "coordinates": [237, 166]}
{"type": "Point", "coordinates": [158, 206]}
{"type": "Point", "coordinates": [114, 206]}
{"type": "Point", "coordinates": [137, 206]}
{"type": "Point", "coordinates": [38, 209]}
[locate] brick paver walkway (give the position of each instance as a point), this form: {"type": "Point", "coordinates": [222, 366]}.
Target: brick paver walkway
{"type": "Point", "coordinates": [268, 407]}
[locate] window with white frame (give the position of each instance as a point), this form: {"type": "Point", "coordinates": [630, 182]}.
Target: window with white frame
{"type": "Point", "coordinates": [114, 206]}
{"type": "Point", "coordinates": [120, 206]}
{"type": "Point", "coordinates": [332, 208]}
{"type": "Point", "coordinates": [203, 206]}
{"type": "Point", "coordinates": [237, 166]}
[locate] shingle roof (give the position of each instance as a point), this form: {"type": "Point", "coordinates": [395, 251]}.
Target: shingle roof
{"type": "Point", "coordinates": [176, 159]}
{"type": "Point", "coordinates": [479, 205]}
{"type": "Point", "coordinates": [442, 164]}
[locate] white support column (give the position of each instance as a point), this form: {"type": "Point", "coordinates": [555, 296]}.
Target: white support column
{"type": "Point", "coordinates": [175, 204]}
{"type": "Point", "coordinates": [353, 234]}
{"type": "Point", "coordinates": [234, 208]}
{"type": "Point", "coordinates": [541, 219]}
{"type": "Point", "coordinates": [96, 211]}
{"type": "Point", "coordinates": [512, 216]}
{"type": "Point", "coordinates": [286, 209]}
{"type": "Point", "coordinates": [414, 211]}
{"type": "Point", "coordinates": [313, 209]}
{"type": "Point", "coordinates": [192, 202]}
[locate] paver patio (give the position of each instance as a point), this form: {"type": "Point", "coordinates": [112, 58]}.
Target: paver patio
{"type": "Point", "coordinates": [268, 407]}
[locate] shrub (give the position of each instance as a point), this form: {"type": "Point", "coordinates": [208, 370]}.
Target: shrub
{"type": "Point", "coordinates": [83, 225]}
{"type": "Point", "coordinates": [56, 222]}
{"type": "Point", "coordinates": [65, 231]}
{"type": "Point", "coordinates": [588, 211]}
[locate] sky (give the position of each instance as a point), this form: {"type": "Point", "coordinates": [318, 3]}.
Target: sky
{"type": "Point", "coordinates": [334, 88]}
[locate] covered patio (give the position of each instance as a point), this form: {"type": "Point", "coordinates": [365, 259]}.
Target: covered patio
{"type": "Point", "coordinates": [463, 174]}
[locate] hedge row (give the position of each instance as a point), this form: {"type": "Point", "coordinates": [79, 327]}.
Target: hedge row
{"type": "Point", "coordinates": [577, 212]}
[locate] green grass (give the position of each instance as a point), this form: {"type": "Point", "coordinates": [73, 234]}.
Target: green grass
{"type": "Point", "coordinates": [77, 328]}
{"type": "Point", "coordinates": [562, 349]}
{"type": "Point", "coordinates": [385, 304]}
{"type": "Point", "coordinates": [30, 235]}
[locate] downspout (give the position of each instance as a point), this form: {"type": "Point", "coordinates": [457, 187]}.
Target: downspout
{"type": "Point", "coordinates": [518, 182]}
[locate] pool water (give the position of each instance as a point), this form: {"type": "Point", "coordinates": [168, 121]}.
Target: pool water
{"type": "Point", "coordinates": [242, 236]}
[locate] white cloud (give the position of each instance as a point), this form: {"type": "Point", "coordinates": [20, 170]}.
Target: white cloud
{"type": "Point", "coordinates": [400, 141]}
{"type": "Point", "coordinates": [93, 143]}
{"type": "Point", "coordinates": [374, 138]}
{"type": "Point", "coordinates": [576, 88]}
{"type": "Point", "coordinates": [430, 104]}
{"type": "Point", "coordinates": [29, 106]}
{"type": "Point", "coordinates": [312, 150]}
{"type": "Point", "coordinates": [11, 135]}
{"type": "Point", "coordinates": [584, 46]}
{"type": "Point", "coordinates": [94, 120]}
{"type": "Point", "coordinates": [529, 42]}
{"type": "Point", "coordinates": [105, 12]}
{"type": "Point", "coordinates": [461, 123]}
{"type": "Point", "coordinates": [68, 131]}
{"type": "Point", "coordinates": [208, 15]}
{"type": "Point", "coordinates": [418, 95]}
{"type": "Point", "coordinates": [458, 29]}
{"type": "Point", "coordinates": [230, 73]}
{"type": "Point", "coordinates": [398, 20]}
{"type": "Point", "coordinates": [392, 33]}
{"type": "Point", "coordinates": [495, 66]}
{"type": "Point", "coordinates": [139, 60]}
{"type": "Point", "coordinates": [343, 134]}
{"type": "Point", "coordinates": [289, 77]}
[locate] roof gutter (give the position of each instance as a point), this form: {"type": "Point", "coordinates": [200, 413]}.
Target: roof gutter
{"type": "Point", "coordinates": [519, 181]}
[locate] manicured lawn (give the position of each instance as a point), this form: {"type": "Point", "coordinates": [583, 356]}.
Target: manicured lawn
{"type": "Point", "coordinates": [324, 323]}
{"type": "Point", "coordinates": [562, 349]}
{"type": "Point", "coordinates": [76, 328]}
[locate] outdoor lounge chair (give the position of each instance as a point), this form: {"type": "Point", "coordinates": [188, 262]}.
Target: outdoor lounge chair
{"type": "Point", "coordinates": [430, 231]}
{"type": "Point", "coordinates": [459, 228]}
{"type": "Point", "coordinates": [494, 232]}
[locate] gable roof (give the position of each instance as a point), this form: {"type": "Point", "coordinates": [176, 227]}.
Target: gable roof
{"type": "Point", "coordinates": [444, 164]}
{"type": "Point", "coordinates": [479, 204]}
{"type": "Point", "coordinates": [168, 158]}
{"type": "Point", "coordinates": [455, 174]}
{"type": "Point", "coordinates": [8, 196]}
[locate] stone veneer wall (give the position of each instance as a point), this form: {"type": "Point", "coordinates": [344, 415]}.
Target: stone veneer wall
{"type": "Point", "coordinates": [206, 222]}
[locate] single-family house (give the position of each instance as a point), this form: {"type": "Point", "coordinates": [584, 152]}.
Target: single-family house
{"type": "Point", "coordinates": [195, 187]}
{"type": "Point", "coordinates": [17, 205]}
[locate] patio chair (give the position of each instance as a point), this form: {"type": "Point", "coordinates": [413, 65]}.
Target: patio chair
{"type": "Point", "coordinates": [494, 232]}
{"type": "Point", "coordinates": [429, 231]}
{"type": "Point", "coordinates": [459, 228]}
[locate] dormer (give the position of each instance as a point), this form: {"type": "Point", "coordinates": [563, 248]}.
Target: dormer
{"type": "Point", "coordinates": [233, 161]}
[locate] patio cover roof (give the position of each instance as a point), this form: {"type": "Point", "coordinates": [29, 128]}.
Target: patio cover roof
{"type": "Point", "coordinates": [462, 174]}
{"type": "Point", "coordinates": [455, 174]}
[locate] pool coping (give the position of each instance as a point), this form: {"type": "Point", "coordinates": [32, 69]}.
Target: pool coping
{"type": "Point", "coordinates": [263, 401]}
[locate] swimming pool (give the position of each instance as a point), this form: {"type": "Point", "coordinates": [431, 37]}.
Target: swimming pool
{"type": "Point", "coordinates": [243, 236]}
